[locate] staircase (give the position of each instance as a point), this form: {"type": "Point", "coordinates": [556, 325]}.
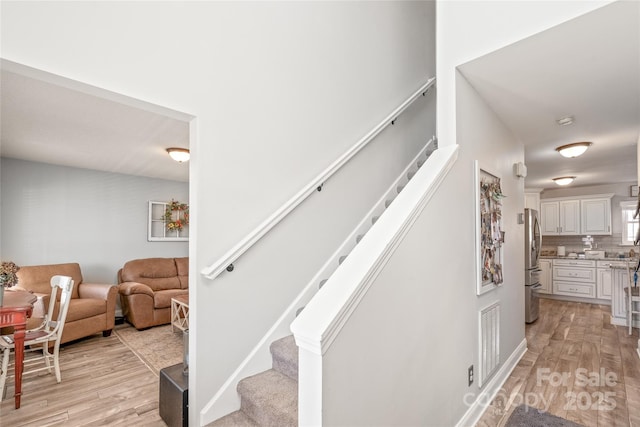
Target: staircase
{"type": "Point", "coordinates": [270, 398]}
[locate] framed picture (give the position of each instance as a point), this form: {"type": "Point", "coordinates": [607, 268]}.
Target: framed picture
{"type": "Point", "coordinates": [168, 222]}
{"type": "Point", "coordinates": [489, 233]}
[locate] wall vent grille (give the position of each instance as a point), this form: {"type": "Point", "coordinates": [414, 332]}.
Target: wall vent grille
{"type": "Point", "coordinates": [489, 341]}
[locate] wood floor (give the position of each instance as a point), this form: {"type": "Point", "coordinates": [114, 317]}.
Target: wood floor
{"type": "Point", "coordinates": [578, 366]}
{"type": "Point", "coordinates": [103, 383]}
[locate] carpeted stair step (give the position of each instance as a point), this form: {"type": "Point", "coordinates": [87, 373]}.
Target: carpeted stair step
{"type": "Point", "coordinates": [234, 419]}
{"type": "Point", "coordinates": [284, 353]}
{"type": "Point", "coordinates": [270, 399]}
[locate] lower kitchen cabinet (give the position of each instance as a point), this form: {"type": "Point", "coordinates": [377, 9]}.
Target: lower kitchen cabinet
{"type": "Point", "coordinates": [574, 278]}
{"type": "Point", "coordinates": [587, 290]}
{"type": "Point", "coordinates": [545, 276]}
{"type": "Point", "coordinates": [580, 278]}
{"type": "Point", "coordinates": [619, 280]}
{"type": "Point", "coordinates": [603, 288]}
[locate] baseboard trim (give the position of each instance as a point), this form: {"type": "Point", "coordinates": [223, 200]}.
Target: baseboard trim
{"type": "Point", "coordinates": [491, 388]}
{"type": "Point", "coordinates": [586, 300]}
{"type": "Point", "coordinates": [623, 322]}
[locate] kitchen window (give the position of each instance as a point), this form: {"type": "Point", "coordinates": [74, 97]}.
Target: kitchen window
{"type": "Point", "coordinates": [629, 224]}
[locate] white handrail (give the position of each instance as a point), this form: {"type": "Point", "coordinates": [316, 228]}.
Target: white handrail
{"type": "Point", "coordinates": [212, 271]}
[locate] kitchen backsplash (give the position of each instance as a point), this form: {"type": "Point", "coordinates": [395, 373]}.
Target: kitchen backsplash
{"type": "Point", "coordinates": [609, 244]}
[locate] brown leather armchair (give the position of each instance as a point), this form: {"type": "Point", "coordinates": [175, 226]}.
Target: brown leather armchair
{"type": "Point", "coordinates": [147, 286]}
{"type": "Point", "coordinates": [92, 306]}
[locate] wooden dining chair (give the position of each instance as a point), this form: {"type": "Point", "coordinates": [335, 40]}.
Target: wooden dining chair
{"type": "Point", "coordinates": [48, 334]}
{"type": "Point", "coordinates": [632, 294]}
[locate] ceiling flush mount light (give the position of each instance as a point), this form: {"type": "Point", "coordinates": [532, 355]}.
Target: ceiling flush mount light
{"type": "Point", "coordinates": [565, 121]}
{"type": "Point", "coordinates": [564, 180]}
{"type": "Point", "coordinates": [574, 150]}
{"type": "Point", "coordinates": [179, 154]}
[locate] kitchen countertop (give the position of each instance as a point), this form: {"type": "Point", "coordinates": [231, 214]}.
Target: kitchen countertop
{"type": "Point", "coordinates": [589, 259]}
{"type": "Point", "coordinates": [621, 267]}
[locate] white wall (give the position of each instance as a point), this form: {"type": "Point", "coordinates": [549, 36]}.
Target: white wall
{"type": "Point", "coordinates": [54, 214]}
{"type": "Point", "coordinates": [467, 30]}
{"type": "Point", "coordinates": [402, 357]}
{"type": "Point", "coordinates": [279, 89]}
{"type": "Point", "coordinates": [638, 145]}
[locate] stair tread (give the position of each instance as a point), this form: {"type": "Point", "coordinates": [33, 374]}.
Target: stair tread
{"type": "Point", "coordinates": [270, 398]}
{"type": "Point", "coordinates": [285, 356]}
{"type": "Point", "coordinates": [234, 419]}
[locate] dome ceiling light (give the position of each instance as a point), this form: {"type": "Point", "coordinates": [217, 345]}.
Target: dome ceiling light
{"type": "Point", "coordinates": [564, 180]}
{"type": "Point", "coordinates": [565, 121]}
{"type": "Point", "coordinates": [179, 154]}
{"type": "Point", "coordinates": [575, 149]}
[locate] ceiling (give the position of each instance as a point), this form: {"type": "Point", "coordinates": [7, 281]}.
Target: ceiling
{"type": "Point", "coordinates": [49, 119]}
{"type": "Point", "coordinates": [588, 68]}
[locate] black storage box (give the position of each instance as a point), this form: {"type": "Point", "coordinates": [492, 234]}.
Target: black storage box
{"type": "Point", "coordinates": [174, 396]}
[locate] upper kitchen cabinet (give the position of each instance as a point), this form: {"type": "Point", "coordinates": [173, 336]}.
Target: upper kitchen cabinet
{"type": "Point", "coordinates": [560, 218]}
{"type": "Point", "coordinates": [532, 199]}
{"type": "Point", "coordinates": [576, 216]}
{"type": "Point", "coordinates": [596, 216]}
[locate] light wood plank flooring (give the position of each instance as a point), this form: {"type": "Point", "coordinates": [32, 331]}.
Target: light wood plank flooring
{"type": "Point", "coordinates": [103, 383]}
{"type": "Point", "coordinates": [578, 366]}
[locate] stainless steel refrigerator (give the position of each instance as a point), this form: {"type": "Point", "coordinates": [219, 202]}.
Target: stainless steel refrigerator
{"type": "Point", "coordinates": [532, 245]}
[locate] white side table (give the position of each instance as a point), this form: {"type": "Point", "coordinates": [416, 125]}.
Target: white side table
{"type": "Point", "coordinates": [180, 312]}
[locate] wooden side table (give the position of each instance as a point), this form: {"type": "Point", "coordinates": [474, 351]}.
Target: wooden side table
{"type": "Point", "coordinates": [15, 311]}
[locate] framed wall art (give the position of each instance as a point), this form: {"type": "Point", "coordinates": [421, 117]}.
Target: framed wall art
{"type": "Point", "coordinates": [489, 233]}
{"type": "Point", "coordinates": [168, 222]}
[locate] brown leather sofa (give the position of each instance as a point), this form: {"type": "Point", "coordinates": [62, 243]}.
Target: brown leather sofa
{"type": "Point", "coordinates": [147, 286]}
{"type": "Point", "coordinates": [92, 306]}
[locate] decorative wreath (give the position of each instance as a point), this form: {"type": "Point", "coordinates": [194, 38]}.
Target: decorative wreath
{"type": "Point", "coordinates": [182, 216]}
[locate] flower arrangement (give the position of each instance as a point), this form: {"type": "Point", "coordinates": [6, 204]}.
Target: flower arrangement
{"type": "Point", "coordinates": [180, 220]}
{"type": "Point", "coordinates": [8, 277]}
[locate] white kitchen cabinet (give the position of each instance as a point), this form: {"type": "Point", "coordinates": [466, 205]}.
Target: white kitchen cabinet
{"type": "Point", "coordinates": [574, 278]}
{"type": "Point", "coordinates": [603, 281]}
{"type": "Point", "coordinates": [584, 215]}
{"type": "Point", "coordinates": [619, 280]}
{"type": "Point", "coordinates": [550, 218]}
{"type": "Point", "coordinates": [532, 199]}
{"type": "Point", "coordinates": [545, 276]}
{"type": "Point", "coordinates": [595, 216]}
{"type": "Point", "coordinates": [569, 217]}
{"type": "Point", "coordinates": [560, 217]}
